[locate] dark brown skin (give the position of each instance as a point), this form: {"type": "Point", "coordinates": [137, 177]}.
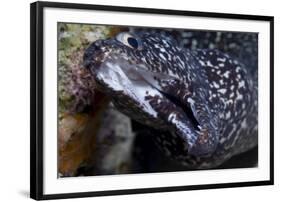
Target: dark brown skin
{"type": "Point", "coordinates": [199, 101]}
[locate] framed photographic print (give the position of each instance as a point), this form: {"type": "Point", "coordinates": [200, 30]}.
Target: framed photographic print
{"type": "Point", "coordinates": [134, 100]}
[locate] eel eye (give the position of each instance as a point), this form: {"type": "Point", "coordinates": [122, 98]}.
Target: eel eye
{"type": "Point", "coordinates": [129, 40]}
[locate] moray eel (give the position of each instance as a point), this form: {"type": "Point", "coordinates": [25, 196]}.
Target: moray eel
{"type": "Point", "coordinates": [201, 103]}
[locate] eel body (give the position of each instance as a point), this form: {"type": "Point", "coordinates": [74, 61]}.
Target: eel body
{"type": "Point", "coordinates": [201, 103]}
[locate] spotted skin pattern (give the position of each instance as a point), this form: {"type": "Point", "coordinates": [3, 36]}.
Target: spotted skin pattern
{"type": "Point", "coordinates": [201, 104]}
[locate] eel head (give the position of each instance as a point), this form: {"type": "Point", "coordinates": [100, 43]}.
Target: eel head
{"type": "Point", "coordinates": [150, 79]}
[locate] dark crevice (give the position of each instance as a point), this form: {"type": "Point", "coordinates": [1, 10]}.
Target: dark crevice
{"type": "Point", "coordinates": [184, 106]}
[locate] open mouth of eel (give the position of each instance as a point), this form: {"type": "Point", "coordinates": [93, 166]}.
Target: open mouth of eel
{"type": "Point", "coordinates": [144, 88]}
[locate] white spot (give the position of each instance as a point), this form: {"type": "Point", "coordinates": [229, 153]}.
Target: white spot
{"type": "Point", "coordinates": [237, 68]}
{"type": "Point", "coordinates": [221, 59]}
{"type": "Point", "coordinates": [191, 101]}
{"type": "Point", "coordinates": [166, 43]}
{"type": "Point", "coordinates": [216, 85]}
{"type": "Point", "coordinates": [162, 56]}
{"type": "Point", "coordinates": [201, 62]}
{"type": "Point", "coordinates": [239, 97]}
{"type": "Point", "coordinates": [241, 84]}
{"type": "Point", "coordinates": [182, 63]}
{"type": "Point", "coordinates": [222, 140]}
{"type": "Point", "coordinates": [222, 91]}
{"type": "Point", "coordinates": [226, 74]}
{"type": "Point", "coordinates": [221, 65]}
{"type": "Point", "coordinates": [227, 116]}
{"type": "Point", "coordinates": [209, 64]}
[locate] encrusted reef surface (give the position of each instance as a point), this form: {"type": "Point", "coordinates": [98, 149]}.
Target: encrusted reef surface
{"type": "Point", "coordinates": [93, 137]}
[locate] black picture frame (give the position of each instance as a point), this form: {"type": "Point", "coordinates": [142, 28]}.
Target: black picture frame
{"type": "Point", "coordinates": [37, 98]}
